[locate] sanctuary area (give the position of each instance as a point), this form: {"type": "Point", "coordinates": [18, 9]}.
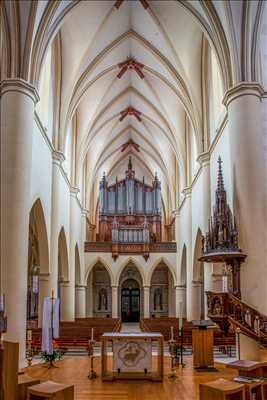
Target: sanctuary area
{"type": "Point", "coordinates": [133, 200]}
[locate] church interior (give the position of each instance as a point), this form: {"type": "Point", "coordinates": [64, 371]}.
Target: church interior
{"type": "Point", "coordinates": [133, 200]}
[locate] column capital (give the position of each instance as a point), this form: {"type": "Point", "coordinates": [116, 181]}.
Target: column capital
{"type": "Point", "coordinates": [243, 89]}
{"type": "Point", "coordinates": [85, 212]}
{"type": "Point", "coordinates": [114, 286]}
{"type": "Point", "coordinates": [176, 212]}
{"type": "Point", "coordinates": [196, 284]}
{"type": "Point", "coordinates": [80, 287]}
{"type": "Point", "coordinates": [187, 191]}
{"type": "Point", "coordinates": [179, 287]}
{"type": "Point", "coordinates": [146, 287]}
{"type": "Point", "coordinates": [19, 85]}
{"type": "Point", "coordinates": [74, 191]}
{"type": "Point", "coordinates": [204, 158]}
{"type": "Point", "coordinates": [58, 157]}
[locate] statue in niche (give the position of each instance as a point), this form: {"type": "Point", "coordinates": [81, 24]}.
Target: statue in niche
{"type": "Point", "coordinates": [158, 299]}
{"type": "Point", "coordinates": [102, 299]}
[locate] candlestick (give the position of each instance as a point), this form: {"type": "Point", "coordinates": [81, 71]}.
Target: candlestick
{"type": "Point", "coordinates": [92, 334]}
{"type": "Point", "coordinates": [171, 332]}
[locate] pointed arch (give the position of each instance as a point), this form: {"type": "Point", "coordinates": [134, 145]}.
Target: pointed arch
{"type": "Point", "coordinates": [77, 266]}
{"type": "Point", "coordinates": [161, 260]}
{"type": "Point", "coordinates": [37, 225]}
{"type": "Point", "coordinates": [99, 260]}
{"type": "Point", "coordinates": [183, 270]}
{"type": "Point", "coordinates": [125, 263]}
{"type": "Point", "coordinates": [63, 263]}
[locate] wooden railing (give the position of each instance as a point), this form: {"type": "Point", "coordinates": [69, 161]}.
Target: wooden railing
{"type": "Point", "coordinates": [228, 311]}
{"type": "Point", "coordinates": [106, 247]}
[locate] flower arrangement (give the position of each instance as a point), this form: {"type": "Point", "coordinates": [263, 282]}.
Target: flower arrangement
{"type": "Point", "coordinates": [55, 355]}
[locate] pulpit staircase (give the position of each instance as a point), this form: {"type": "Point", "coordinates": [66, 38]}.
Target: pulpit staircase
{"type": "Point", "coordinates": [229, 312]}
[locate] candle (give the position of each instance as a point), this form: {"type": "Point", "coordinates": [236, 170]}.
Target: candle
{"type": "Point", "coordinates": [92, 334]}
{"type": "Point", "coordinates": [171, 332]}
{"type": "Point", "coordinates": [29, 335]}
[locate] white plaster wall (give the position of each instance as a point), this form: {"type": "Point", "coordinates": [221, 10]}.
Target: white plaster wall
{"type": "Point", "coordinates": [41, 176]}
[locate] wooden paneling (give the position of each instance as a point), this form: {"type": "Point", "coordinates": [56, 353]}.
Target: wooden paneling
{"type": "Point", "coordinates": [202, 343]}
{"type": "Point", "coordinates": [10, 370]}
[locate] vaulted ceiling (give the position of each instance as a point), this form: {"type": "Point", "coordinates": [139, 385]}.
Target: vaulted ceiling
{"type": "Point", "coordinates": [126, 77]}
{"type": "Point", "coordinates": [129, 78]}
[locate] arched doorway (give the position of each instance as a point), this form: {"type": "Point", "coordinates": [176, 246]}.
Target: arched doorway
{"type": "Point", "coordinates": [38, 262]}
{"type": "Point", "coordinates": [131, 297]}
{"type": "Point", "coordinates": [162, 292]}
{"type": "Point", "coordinates": [130, 301]}
{"type": "Point", "coordinates": [99, 298]}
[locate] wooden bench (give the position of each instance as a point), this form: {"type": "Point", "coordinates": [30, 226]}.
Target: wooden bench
{"type": "Point", "coordinates": [51, 390]}
{"type": "Point", "coordinates": [221, 389]}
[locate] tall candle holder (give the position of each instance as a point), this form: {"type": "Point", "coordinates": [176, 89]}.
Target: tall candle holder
{"type": "Point", "coordinates": [91, 342]}
{"type": "Point", "coordinates": [173, 352]}
{"type": "Point", "coordinates": [29, 347]}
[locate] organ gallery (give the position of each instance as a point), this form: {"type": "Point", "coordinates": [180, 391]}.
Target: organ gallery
{"type": "Point", "coordinates": [130, 210]}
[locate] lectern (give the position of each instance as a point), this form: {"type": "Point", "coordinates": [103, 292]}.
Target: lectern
{"type": "Point", "coordinates": [202, 344]}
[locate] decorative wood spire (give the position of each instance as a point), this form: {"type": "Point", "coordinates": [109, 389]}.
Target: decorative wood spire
{"type": "Point", "coordinates": [222, 235]}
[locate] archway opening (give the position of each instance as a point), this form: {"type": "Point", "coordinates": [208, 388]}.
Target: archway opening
{"type": "Point", "coordinates": [130, 294]}
{"type": "Point", "coordinates": [38, 262]}
{"type": "Point", "coordinates": [162, 296]}
{"type": "Point", "coordinates": [99, 299]}
{"type": "Point", "coordinates": [198, 291]}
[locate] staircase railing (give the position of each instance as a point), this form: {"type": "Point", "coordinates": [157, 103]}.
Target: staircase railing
{"type": "Point", "coordinates": [229, 311]}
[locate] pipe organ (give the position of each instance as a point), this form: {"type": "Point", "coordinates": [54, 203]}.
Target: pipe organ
{"type": "Point", "coordinates": [130, 210]}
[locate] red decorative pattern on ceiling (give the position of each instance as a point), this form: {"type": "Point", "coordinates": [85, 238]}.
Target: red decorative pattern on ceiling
{"type": "Point", "coordinates": [144, 3]}
{"type": "Point", "coordinates": [131, 144]}
{"type": "Point", "coordinates": [130, 64]}
{"type": "Point", "coordinates": [131, 111]}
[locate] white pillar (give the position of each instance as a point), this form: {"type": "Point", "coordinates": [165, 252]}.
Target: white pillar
{"type": "Point", "coordinates": [89, 300]}
{"type": "Point", "coordinates": [146, 301]}
{"type": "Point", "coordinates": [18, 99]}
{"type": "Point", "coordinates": [58, 158]}
{"type": "Point", "coordinates": [44, 286]}
{"type": "Point", "coordinates": [66, 299]}
{"type": "Point", "coordinates": [180, 301]}
{"type": "Point", "coordinates": [189, 265]}
{"type": "Point", "coordinates": [114, 301]}
{"type": "Point", "coordinates": [196, 300]}
{"type": "Point", "coordinates": [247, 142]}
{"type": "Point", "coordinates": [80, 302]}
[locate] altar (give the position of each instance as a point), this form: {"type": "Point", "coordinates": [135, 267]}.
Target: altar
{"type": "Point", "coordinates": [132, 356]}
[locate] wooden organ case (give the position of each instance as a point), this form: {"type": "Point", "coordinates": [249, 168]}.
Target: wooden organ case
{"type": "Point", "coordinates": [130, 210]}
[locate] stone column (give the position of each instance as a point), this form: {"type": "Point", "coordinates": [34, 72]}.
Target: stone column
{"type": "Point", "coordinates": [44, 286]}
{"type": "Point", "coordinates": [58, 159]}
{"type": "Point", "coordinates": [89, 303]}
{"type": "Point", "coordinates": [80, 301]}
{"type": "Point", "coordinates": [18, 99]}
{"type": "Point", "coordinates": [115, 302]}
{"type": "Point", "coordinates": [196, 300]}
{"type": "Point", "coordinates": [66, 313]}
{"type": "Point", "coordinates": [247, 142]}
{"type": "Point", "coordinates": [146, 301]}
{"type": "Point", "coordinates": [180, 301]}
{"type": "Point", "coordinates": [189, 256]}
